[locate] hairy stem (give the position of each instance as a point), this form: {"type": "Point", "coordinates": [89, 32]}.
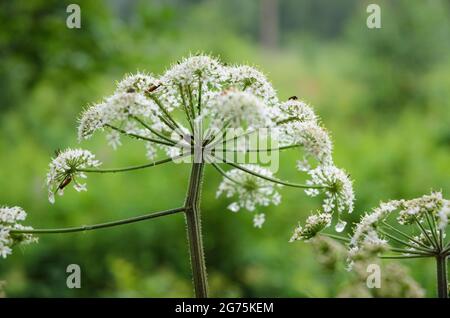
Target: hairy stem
{"type": "Point", "coordinates": [164, 110]}
{"type": "Point", "coordinates": [396, 239]}
{"type": "Point", "coordinates": [288, 184]}
{"type": "Point", "coordinates": [336, 237]}
{"type": "Point", "coordinates": [263, 150]}
{"type": "Point", "coordinates": [224, 174]}
{"type": "Point", "coordinates": [154, 131]}
{"type": "Point", "coordinates": [406, 235]}
{"type": "Point", "coordinates": [162, 142]}
{"type": "Point", "coordinates": [186, 110]}
{"type": "Point", "coordinates": [199, 97]}
{"type": "Point", "coordinates": [147, 165]}
{"type": "Point", "coordinates": [424, 231]}
{"type": "Point", "coordinates": [442, 283]}
{"type": "Point", "coordinates": [193, 221]}
{"type": "Point", "coordinates": [100, 225]}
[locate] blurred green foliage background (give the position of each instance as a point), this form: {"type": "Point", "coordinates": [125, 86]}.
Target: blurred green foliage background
{"type": "Point", "coordinates": [384, 94]}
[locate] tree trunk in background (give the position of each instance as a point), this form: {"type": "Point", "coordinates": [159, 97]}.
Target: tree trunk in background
{"type": "Point", "coordinates": [269, 23]}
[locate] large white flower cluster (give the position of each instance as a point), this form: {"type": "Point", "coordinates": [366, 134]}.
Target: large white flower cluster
{"type": "Point", "coordinates": [199, 95]}
{"type": "Point", "coordinates": [9, 220]}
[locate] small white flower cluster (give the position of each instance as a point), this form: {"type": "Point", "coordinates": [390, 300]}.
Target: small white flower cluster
{"type": "Point", "coordinates": [417, 209]}
{"type": "Point", "coordinates": [297, 111]}
{"type": "Point", "coordinates": [128, 100]}
{"type": "Point", "coordinates": [337, 187]}
{"type": "Point", "coordinates": [432, 210]}
{"type": "Point", "coordinates": [251, 190]}
{"type": "Point", "coordinates": [239, 110]}
{"type": "Point", "coordinates": [65, 168]}
{"type": "Point", "coordinates": [249, 79]}
{"type": "Point", "coordinates": [314, 224]}
{"type": "Point", "coordinates": [191, 71]}
{"type": "Point", "coordinates": [366, 230]}
{"type": "Point", "coordinates": [314, 139]}
{"type": "Point", "coordinates": [338, 190]}
{"type": "Point", "coordinates": [259, 219]}
{"type": "Point", "coordinates": [298, 124]}
{"type": "Point", "coordinates": [9, 220]}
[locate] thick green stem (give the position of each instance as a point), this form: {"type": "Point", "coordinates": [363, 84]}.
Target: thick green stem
{"type": "Point", "coordinates": [441, 267]}
{"type": "Point", "coordinates": [193, 222]}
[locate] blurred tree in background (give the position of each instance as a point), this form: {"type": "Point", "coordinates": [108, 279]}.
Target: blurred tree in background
{"type": "Point", "coordinates": [384, 94]}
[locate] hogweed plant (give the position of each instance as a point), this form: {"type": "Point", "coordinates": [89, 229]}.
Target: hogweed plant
{"type": "Point", "coordinates": [203, 113]}
{"type": "Point", "coordinates": [400, 229]}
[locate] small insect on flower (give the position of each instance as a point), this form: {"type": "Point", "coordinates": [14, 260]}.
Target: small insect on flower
{"type": "Point", "coordinates": [65, 183]}
{"type": "Point", "coordinates": [66, 168]}
{"type": "Point", "coordinates": [152, 88]}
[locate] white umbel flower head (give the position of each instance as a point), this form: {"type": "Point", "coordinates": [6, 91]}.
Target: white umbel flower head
{"type": "Point", "coordinates": [427, 214]}
{"type": "Point", "coordinates": [117, 109]}
{"type": "Point", "coordinates": [294, 110]}
{"type": "Point", "coordinates": [337, 185]}
{"type": "Point", "coordinates": [249, 79]}
{"type": "Point", "coordinates": [184, 80]}
{"type": "Point", "coordinates": [65, 168]}
{"type": "Point", "coordinates": [416, 209]}
{"type": "Point", "coordinates": [238, 110]}
{"type": "Point", "coordinates": [314, 139]}
{"type": "Point", "coordinates": [298, 124]}
{"type": "Point", "coordinates": [137, 83]}
{"type": "Point", "coordinates": [193, 69]}
{"type": "Point", "coordinates": [128, 101]}
{"type": "Point", "coordinates": [250, 190]}
{"type": "Point", "coordinates": [9, 220]}
{"type": "Point", "coordinates": [314, 224]}
{"type": "Point", "coordinates": [366, 230]}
